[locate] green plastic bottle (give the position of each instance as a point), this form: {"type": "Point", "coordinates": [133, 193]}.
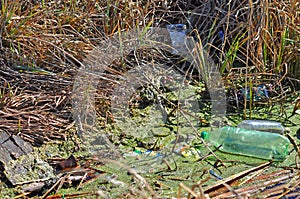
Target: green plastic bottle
{"type": "Point", "coordinates": [247, 142]}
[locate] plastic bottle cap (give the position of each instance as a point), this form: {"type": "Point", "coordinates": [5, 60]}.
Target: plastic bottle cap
{"type": "Point", "coordinates": [204, 135]}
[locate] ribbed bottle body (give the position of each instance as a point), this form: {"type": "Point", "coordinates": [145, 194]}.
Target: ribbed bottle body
{"type": "Point", "coordinates": [262, 125]}
{"type": "Point", "coordinates": [265, 145]}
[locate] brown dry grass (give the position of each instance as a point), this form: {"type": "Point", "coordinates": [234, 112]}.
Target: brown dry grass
{"type": "Point", "coordinates": [260, 37]}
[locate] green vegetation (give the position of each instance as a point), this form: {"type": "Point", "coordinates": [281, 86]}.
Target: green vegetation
{"type": "Point", "coordinates": [44, 44]}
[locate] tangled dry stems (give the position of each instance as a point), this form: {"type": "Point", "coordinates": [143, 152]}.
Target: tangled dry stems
{"type": "Point", "coordinates": [261, 36]}
{"type": "Point", "coordinates": [57, 36]}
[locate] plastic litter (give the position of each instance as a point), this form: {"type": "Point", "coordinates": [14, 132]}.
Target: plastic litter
{"type": "Point", "coordinates": [264, 145]}
{"type": "Point", "coordinates": [141, 151]}
{"type": "Point", "coordinates": [215, 175]}
{"type": "Point", "coordinates": [263, 125]}
{"type": "Point", "coordinates": [221, 35]}
{"type": "Point", "coordinates": [259, 93]}
{"type": "Point", "coordinates": [188, 151]}
{"type": "Point", "coordinates": [178, 37]}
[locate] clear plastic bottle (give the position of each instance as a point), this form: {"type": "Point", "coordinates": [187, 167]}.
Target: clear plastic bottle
{"type": "Point", "coordinates": [265, 145]}
{"type": "Point", "coordinates": [263, 125]}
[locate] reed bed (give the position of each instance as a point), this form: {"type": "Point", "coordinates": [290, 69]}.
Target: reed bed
{"type": "Point", "coordinates": [251, 43]}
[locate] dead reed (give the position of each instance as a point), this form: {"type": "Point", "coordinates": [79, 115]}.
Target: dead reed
{"type": "Point", "coordinates": [251, 43]}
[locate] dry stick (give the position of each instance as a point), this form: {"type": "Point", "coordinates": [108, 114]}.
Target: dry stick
{"type": "Point", "coordinates": [22, 195]}
{"type": "Point", "coordinates": [247, 60]}
{"type": "Point", "coordinates": [179, 192]}
{"type": "Point", "coordinates": [198, 185]}
{"type": "Point", "coordinates": [205, 144]}
{"type": "Point", "coordinates": [55, 46]}
{"type": "Point", "coordinates": [62, 181]}
{"type": "Point", "coordinates": [283, 92]}
{"type": "Point", "coordinates": [49, 190]}
{"type": "Point", "coordinates": [252, 176]}
{"type": "Point", "coordinates": [232, 190]}
{"type": "Point", "coordinates": [236, 176]}
{"type": "Point", "coordinates": [74, 195]}
{"type": "Point", "coordinates": [188, 190]}
{"type": "Point", "coordinates": [177, 126]}
{"type": "Point", "coordinates": [168, 165]}
{"type": "Point", "coordinates": [134, 173]}
{"type": "Point", "coordinates": [290, 189]}
{"type": "Point", "coordinates": [91, 180]}
{"type": "Point", "coordinates": [271, 192]}
{"type": "Point", "coordinates": [256, 188]}
{"type": "Point", "coordinates": [162, 185]}
{"type": "Point", "coordinates": [295, 147]}
{"type": "Point", "coordinates": [81, 181]}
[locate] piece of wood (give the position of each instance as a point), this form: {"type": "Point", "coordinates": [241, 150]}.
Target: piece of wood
{"type": "Point", "coordinates": [3, 137]}
{"type": "Point", "coordinates": [235, 177]}
{"type": "Point", "coordinates": [4, 155]}
{"type": "Point", "coordinates": [12, 147]}
{"type": "Point", "coordinates": [25, 146]}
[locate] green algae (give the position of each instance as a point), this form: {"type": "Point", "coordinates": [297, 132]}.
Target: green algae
{"type": "Point", "coordinates": [163, 173]}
